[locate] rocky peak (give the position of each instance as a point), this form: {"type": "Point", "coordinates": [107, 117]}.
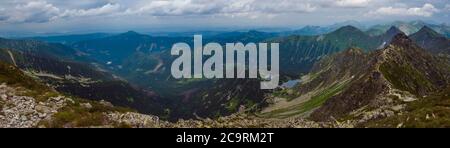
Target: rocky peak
{"type": "Point", "coordinates": [402, 40]}
{"type": "Point", "coordinates": [410, 68]}
{"type": "Point", "coordinates": [387, 37]}
{"type": "Point", "coordinates": [394, 31]}
{"type": "Point", "coordinates": [401, 49]}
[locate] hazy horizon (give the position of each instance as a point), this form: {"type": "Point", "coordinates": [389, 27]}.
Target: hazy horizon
{"type": "Point", "coordinates": [47, 17]}
{"type": "Point", "coordinates": [168, 30]}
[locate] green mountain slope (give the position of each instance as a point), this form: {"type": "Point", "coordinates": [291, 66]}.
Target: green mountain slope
{"type": "Point", "coordinates": [431, 40]}
{"type": "Point", "coordinates": [301, 52]}
{"type": "Point", "coordinates": [81, 80]}
{"type": "Point", "coordinates": [115, 49]}
{"type": "Point", "coordinates": [42, 49]}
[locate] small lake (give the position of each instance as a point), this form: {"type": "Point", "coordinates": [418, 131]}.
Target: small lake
{"type": "Point", "coordinates": [290, 83]}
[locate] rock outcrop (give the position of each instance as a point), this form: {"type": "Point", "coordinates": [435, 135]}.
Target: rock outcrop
{"type": "Point", "coordinates": [25, 112]}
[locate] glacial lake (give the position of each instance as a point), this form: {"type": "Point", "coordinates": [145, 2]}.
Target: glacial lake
{"type": "Point", "coordinates": [290, 83]}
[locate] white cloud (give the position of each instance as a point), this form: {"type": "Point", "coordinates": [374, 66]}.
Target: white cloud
{"type": "Point", "coordinates": [3, 17]}
{"type": "Point", "coordinates": [41, 11]}
{"type": "Point", "coordinates": [352, 3]}
{"type": "Point", "coordinates": [258, 8]}
{"type": "Point", "coordinates": [175, 7]}
{"type": "Point", "coordinates": [427, 10]}
{"type": "Point", "coordinates": [284, 6]}
{"type": "Point", "coordinates": [307, 11]}
{"type": "Point", "coordinates": [221, 7]}
{"type": "Point", "coordinates": [34, 11]}
{"type": "Point", "coordinates": [104, 10]}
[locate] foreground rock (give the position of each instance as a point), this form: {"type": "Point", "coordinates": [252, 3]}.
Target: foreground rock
{"type": "Point", "coordinates": [25, 112]}
{"type": "Point", "coordinates": [134, 120]}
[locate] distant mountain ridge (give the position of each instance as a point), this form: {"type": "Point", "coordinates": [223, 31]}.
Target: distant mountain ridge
{"type": "Point", "coordinates": [70, 39]}
{"type": "Point", "coordinates": [311, 30]}
{"type": "Point", "coordinates": [409, 28]}
{"type": "Point", "coordinates": [117, 48]}
{"type": "Point", "coordinates": [301, 52]}
{"type": "Point", "coordinates": [432, 41]}
{"type": "Point", "coordinates": [54, 50]}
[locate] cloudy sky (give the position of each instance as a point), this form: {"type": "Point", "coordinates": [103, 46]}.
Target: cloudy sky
{"type": "Point", "coordinates": [41, 16]}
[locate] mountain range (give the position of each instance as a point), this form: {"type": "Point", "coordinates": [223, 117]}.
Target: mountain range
{"type": "Point", "coordinates": [400, 69]}
{"type": "Point", "coordinates": [432, 41]}
{"type": "Point", "coordinates": [362, 88]}
{"type": "Point", "coordinates": [65, 70]}
{"type": "Point", "coordinates": [409, 27]}
{"type": "Point", "coordinates": [360, 76]}
{"type": "Point", "coordinates": [70, 39]}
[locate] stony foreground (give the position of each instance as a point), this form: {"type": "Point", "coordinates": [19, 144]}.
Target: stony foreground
{"type": "Point", "coordinates": [26, 112]}
{"type": "Point", "coordinates": [18, 111]}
